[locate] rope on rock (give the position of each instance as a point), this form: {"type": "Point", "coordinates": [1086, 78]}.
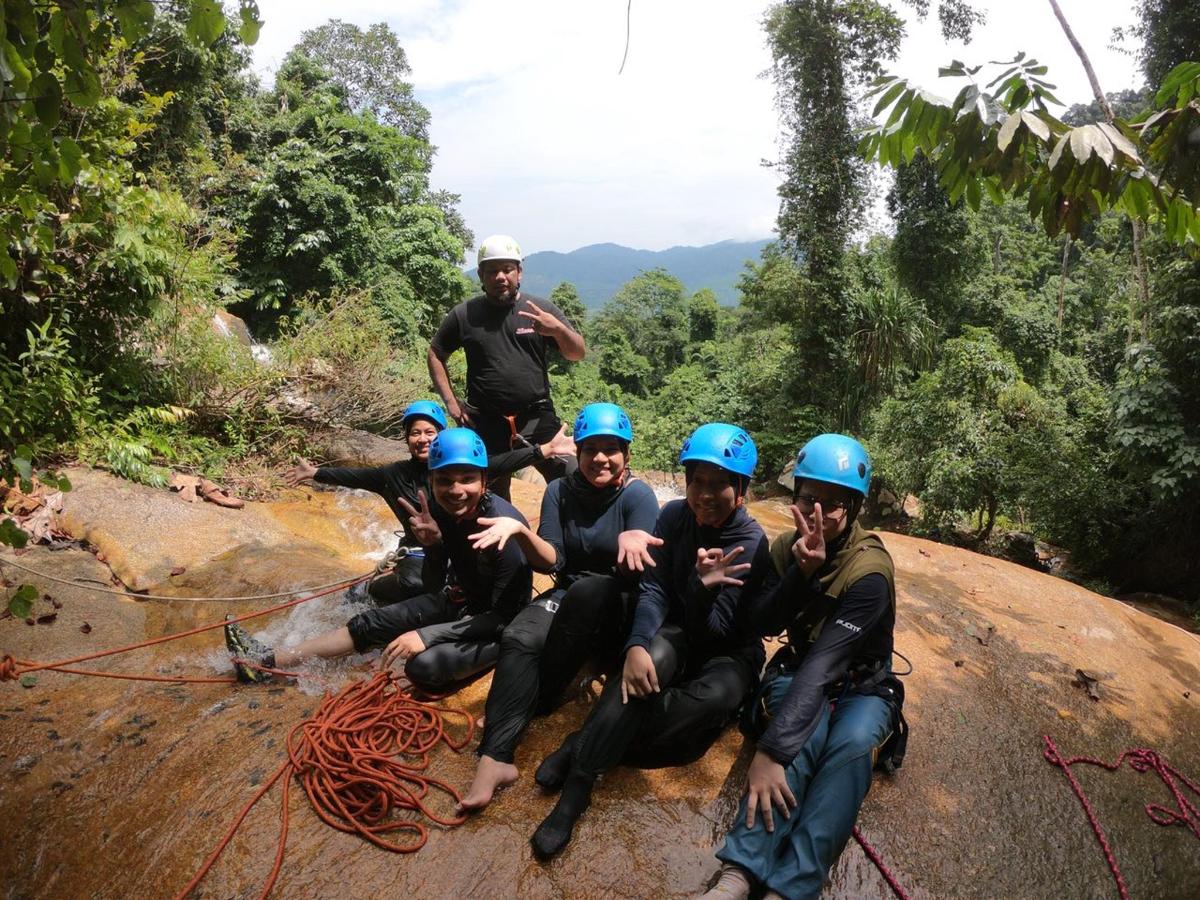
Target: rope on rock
{"type": "Point", "coordinates": [361, 758]}
{"type": "Point", "coordinates": [11, 668]}
{"type": "Point", "coordinates": [125, 592]}
{"type": "Point", "coordinates": [1140, 760]}
{"type": "Point", "coordinates": [874, 857]}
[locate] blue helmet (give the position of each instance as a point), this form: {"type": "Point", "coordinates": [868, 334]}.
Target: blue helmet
{"type": "Point", "coordinates": [603, 419]}
{"type": "Point", "coordinates": [457, 447]}
{"type": "Point", "coordinates": [424, 409]}
{"type": "Point", "coordinates": [723, 445]}
{"type": "Point", "coordinates": [835, 459]}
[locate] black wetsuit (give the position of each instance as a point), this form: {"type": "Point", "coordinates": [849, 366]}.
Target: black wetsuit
{"type": "Point", "coordinates": [705, 655]}
{"type": "Point", "coordinates": [393, 482]}
{"type": "Point", "coordinates": [460, 623]}
{"type": "Point", "coordinates": [402, 480]}
{"type": "Point", "coordinates": [588, 608]}
{"type": "Point", "coordinates": [506, 376]}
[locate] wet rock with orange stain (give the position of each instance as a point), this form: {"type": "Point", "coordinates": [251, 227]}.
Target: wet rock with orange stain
{"type": "Point", "coordinates": [138, 782]}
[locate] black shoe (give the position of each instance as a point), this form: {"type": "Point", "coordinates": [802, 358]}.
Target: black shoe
{"type": "Point", "coordinates": [243, 648]}
{"type": "Point", "coordinates": [553, 771]}
{"type": "Point", "coordinates": [553, 835]}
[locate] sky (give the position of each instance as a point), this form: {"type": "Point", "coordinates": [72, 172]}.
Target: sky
{"type": "Point", "coordinates": [545, 141]}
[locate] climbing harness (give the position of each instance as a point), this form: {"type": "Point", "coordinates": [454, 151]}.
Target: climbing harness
{"type": "Point", "coordinates": [1140, 760]}
{"type": "Point", "coordinates": [360, 758]}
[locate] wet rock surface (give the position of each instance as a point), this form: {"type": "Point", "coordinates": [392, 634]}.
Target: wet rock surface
{"type": "Point", "coordinates": [117, 789]}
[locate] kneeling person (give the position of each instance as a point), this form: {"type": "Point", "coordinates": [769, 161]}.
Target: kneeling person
{"type": "Point", "coordinates": [451, 633]}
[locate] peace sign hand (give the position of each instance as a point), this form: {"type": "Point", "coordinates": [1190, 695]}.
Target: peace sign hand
{"type": "Point", "coordinates": [424, 528]}
{"type": "Point", "coordinates": [809, 548]}
{"type": "Point", "coordinates": [715, 567]}
{"type": "Point", "coordinates": [544, 322]}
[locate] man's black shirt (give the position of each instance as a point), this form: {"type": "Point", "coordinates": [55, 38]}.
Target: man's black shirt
{"type": "Point", "coordinates": [506, 357]}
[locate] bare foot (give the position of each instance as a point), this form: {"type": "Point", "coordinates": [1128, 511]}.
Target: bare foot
{"type": "Point", "coordinates": [490, 775]}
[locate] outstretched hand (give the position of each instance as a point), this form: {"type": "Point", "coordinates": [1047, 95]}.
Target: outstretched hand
{"type": "Point", "coordinates": [496, 532]}
{"type": "Point", "coordinates": [809, 548]}
{"type": "Point", "coordinates": [716, 567]}
{"type": "Point", "coordinates": [767, 788]}
{"type": "Point", "coordinates": [544, 322]}
{"type": "Point", "coordinates": [423, 525]}
{"type": "Point", "coordinates": [633, 550]}
{"type": "Point", "coordinates": [299, 473]}
{"type": "Point", "coordinates": [562, 444]}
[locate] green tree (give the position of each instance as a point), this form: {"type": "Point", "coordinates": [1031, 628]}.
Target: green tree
{"type": "Point", "coordinates": [373, 69]}
{"type": "Point", "coordinates": [651, 313]}
{"type": "Point", "coordinates": [342, 201]}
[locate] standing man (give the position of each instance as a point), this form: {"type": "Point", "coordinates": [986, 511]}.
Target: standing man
{"type": "Point", "coordinates": [505, 335]}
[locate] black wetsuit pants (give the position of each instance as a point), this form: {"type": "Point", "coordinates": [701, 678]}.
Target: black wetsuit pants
{"type": "Point", "coordinates": [535, 426]}
{"type": "Point", "coordinates": [401, 583]}
{"type": "Point", "coordinates": [543, 648]}
{"type": "Point", "coordinates": [446, 660]}
{"type": "Point", "coordinates": [673, 727]}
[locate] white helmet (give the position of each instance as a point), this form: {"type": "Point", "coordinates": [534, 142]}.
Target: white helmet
{"type": "Point", "coordinates": [499, 246]}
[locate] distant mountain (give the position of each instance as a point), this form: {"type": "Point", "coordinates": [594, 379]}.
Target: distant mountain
{"type": "Point", "coordinates": [599, 270]}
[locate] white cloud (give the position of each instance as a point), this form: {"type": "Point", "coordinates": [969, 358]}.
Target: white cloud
{"type": "Point", "coordinates": [543, 139]}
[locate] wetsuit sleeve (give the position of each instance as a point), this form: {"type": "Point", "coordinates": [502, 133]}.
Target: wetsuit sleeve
{"type": "Point", "coordinates": [654, 598]}
{"type": "Point", "coordinates": [448, 337]}
{"type": "Point", "coordinates": [483, 627]}
{"type": "Point", "coordinates": [714, 612]}
{"type": "Point", "coordinates": [862, 605]}
{"type": "Point", "coordinates": [372, 479]}
{"type": "Point", "coordinates": [639, 508]}
{"type": "Point", "coordinates": [771, 610]}
{"type": "Point", "coordinates": [509, 461]}
{"type": "Point", "coordinates": [550, 527]}
{"type": "Point", "coordinates": [512, 580]}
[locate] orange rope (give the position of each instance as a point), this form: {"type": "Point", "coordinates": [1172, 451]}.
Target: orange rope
{"type": "Point", "coordinates": [361, 758]}
{"type": "Point", "coordinates": [11, 668]}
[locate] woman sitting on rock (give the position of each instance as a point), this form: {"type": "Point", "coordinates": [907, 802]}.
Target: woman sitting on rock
{"type": "Point", "coordinates": [405, 479]}
{"type": "Point", "coordinates": [452, 632]}
{"type": "Point", "coordinates": [829, 700]}
{"type": "Point", "coordinates": [594, 536]}
{"type": "Point", "coordinates": [689, 659]}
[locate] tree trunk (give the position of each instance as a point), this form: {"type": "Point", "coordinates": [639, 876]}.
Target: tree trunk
{"type": "Point", "coordinates": [1062, 283]}
{"type": "Point", "coordinates": [1139, 258]}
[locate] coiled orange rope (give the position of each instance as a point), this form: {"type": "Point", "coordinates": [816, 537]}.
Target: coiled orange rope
{"type": "Point", "coordinates": [361, 759]}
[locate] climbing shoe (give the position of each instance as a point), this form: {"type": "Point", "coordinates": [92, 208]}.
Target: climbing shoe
{"type": "Point", "coordinates": [244, 648]}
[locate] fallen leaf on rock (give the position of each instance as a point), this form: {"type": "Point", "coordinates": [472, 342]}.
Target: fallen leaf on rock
{"type": "Point", "coordinates": [1089, 683]}
{"type": "Point", "coordinates": [923, 552]}
{"type": "Point", "coordinates": [179, 570]}
{"type": "Point", "coordinates": [28, 681]}
{"type": "Point", "coordinates": [85, 628]}
{"type": "Point", "coordinates": [1065, 714]}
{"type": "Point", "coordinates": [47, 618]}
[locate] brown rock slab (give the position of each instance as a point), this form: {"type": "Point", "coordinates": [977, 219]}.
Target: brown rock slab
{"type": "Point", "coordinates": [117, 789]}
